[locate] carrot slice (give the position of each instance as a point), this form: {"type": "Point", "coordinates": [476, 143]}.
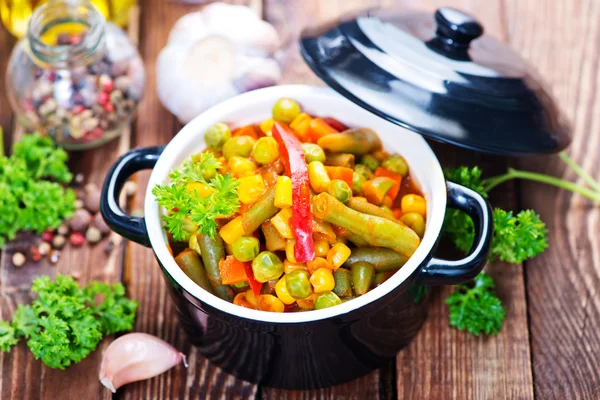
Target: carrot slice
{"type": "Point", "coordinates": [342, 173]}
{"type": "Point", "coordinates": [393, 192]}
{"type": "Point", "coordinates": [232, 270]}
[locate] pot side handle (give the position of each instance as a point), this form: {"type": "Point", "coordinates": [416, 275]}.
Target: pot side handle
{"type": "Point", "coordinates": [130, 227]}
{"type": "Point", "coordinates": [444, 272]}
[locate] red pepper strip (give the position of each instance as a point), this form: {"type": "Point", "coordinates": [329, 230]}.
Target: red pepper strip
{"type": "Point", "coordinates": [393, 192]}
{"type": "Point", "coordinates": [295, 166]}
{"type": "Point", "coordinates": [254, 284]}
{"type": "Point", "coordinates": [334, 123]}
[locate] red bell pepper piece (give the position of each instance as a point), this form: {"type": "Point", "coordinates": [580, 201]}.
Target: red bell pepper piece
{"type": "Point", "coordinates": [295, 167]}
{"type": "Point", "coordinates": [393, 192]}
{"type": "Point", "coordinates": [342, 173]}
{"type": "Point", "coordinates": [335, 124]}
{"type": "Point", "coordinates": [255, 285]}
{"type": "Point", "coordinates": [232, 270]}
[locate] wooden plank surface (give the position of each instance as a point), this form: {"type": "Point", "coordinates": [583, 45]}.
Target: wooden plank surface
{"type": "Point", "coordinates": [559, 294]}
{"type": "Point", "coordinates": [562, 39]}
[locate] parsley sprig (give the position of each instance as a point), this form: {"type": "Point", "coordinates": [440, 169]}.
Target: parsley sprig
{"type": "Point", "coordinates": [517, 237]}
{"type": "Point", "coordinates": [475, 308]}
{"type": "Point", "coordinates": [65, 323]}
{"type": "Point", "coordinates": [33, 195]}
{"type": "Point", "coordinates": [186, 209]}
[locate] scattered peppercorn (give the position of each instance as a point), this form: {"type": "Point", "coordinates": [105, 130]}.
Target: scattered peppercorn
{"type": "Point", "coordinates": [59, 241]}
{"type": "Point", "coordinates": [93, 235]}
{"type": "Point", "coordinates": [62, 229]}
{"type": "Point", "coordinates": [92, 201]}
{"type": "Point", "coordinates": [81, 220]}
{"type": "Point", "coordinates": [44, 248]}
{"type": "Point", "coordinates": [101, 224]}
{"type": "Point", "coordinates": [54, 256]}
{"type": "Point", "coordinates": [76, 239]}
{"type": "Point", "coordinates": [35, 254]}
{"type": "Point", "coordinates": [47, 236]}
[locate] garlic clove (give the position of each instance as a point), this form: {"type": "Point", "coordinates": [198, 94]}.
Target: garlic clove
{"type": "Point", "coordinates": [256, 72]}
{"type": "Point", "coordinates": [136, 356]}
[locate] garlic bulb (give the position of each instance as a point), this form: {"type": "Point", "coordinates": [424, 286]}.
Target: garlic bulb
{"type": "Point", "coordinates": [135, 357]}
{"type": "Point", "coordinates": [215, 54]}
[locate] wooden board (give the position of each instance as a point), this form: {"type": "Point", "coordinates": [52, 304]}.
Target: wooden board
{"type": "Point", "coordinates": [562, 39]}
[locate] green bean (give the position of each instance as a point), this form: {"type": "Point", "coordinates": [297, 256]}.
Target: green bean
{"type": "Point", "coordinates": [354, 238]}
{"type": "Point", "coordinates": [383, 276]}
{"type": "Point", "coordinates": [213, 251]}
{"type": "Point", "coordinates": [356, 141]}
{"type": "Point", "coordinates": [263, 209]}
{"type": "Point", "coordinates": [340, 159]}
{"type": "Point", "coordinates": [190, 264]}
{"type": "Point", "coordinates": [326, 300]}
{"type": "Point", "coordinates": [376, 231]}
{"type": "Point", "coordinates": [362, 275]}
{"type": "Point", "coordinates": [382, 259]}
{"type": "Point", "coordinates": [368, 208]}
{"type": "Point", "coordinates": [363, 170]}
{"type": "Point", "coordinates": [273, 239]}
{"type": "Point", "coordinates": [343, 282]}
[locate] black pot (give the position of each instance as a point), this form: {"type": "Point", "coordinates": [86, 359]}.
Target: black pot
{"type": "Point", "coordinates": [315, 348]}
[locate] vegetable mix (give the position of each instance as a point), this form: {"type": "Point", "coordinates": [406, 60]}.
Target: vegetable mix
{"type": "Point", "coordinates": [295, 213]}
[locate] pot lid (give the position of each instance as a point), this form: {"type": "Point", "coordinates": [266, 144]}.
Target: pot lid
{"type": "Point", "coordinates": [440, 76]}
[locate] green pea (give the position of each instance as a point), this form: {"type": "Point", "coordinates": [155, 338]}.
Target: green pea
{"type": "Point", "coordinates": [357, 182]}
{"type": "Point", "coordinates": [313, 152]}
{"type": "Point", "coordinates": [370, 161]}
{"type": "Point", "coordinates": [217, 135]}
{"type": "Point", "coordinates": [238, 146]}
{"type": "Point", "coordinates": [340, 190]}
{"type": "Point", "coordinates": [396, 163]}
{"type": "Point", "coordinates": [362, 275]}
{"type": "Point", "coordinates": [241, 286]}
{"type": "Point", "coordinates": [246, 248]}
{"type": "Point", "coordinates": [267, 266]}
{"type": "Point", "coordinates": [326, 300]}
{"type": "Point", "coordinates": [285, 110]}
{"type": "Point", "coordinates": [363, 171]}
{"type": "Point", "coordinates": [298, 284]}
{"type": "Point", "coordinates": [266, 150]}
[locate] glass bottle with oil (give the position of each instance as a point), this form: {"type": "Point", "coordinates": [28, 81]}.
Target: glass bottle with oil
{"type": "Point", "coordinates": [15, 14]}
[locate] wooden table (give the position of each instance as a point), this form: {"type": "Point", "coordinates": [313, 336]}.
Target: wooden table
{"type": "Point", "coordinates": [549, 346]}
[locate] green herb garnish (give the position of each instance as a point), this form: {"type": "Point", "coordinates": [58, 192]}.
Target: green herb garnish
{"type": "Point", "coordinates": [65, 323]}
{"type": "Point", "coordinates": [516, 238]}
{"type": "Point", "coordinates": [475, 308]}
{"type": "Point", "coordinates": [186, 210]}
{"type": "Point", "coordinates": [32, 192]}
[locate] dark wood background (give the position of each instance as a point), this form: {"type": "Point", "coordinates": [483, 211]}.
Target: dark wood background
{"type": "Point", "coordinates": [549, 346]}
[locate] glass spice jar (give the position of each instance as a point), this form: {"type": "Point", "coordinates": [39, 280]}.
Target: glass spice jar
{"type": "Point", "coordinates": [74, 76]}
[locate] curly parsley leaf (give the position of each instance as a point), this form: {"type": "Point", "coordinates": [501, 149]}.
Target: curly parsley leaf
{"type": "Point", "coordinates": [187, 211]}
{"type": "Point", "coordinates": [517, 238]}
{"type": "Point", "coordinates": [66, 322]}
{"type": "Point", "coordinates": [475, 308]}
{"type": "Point", "coordinates": [469, 177]}
{"type": "Point", "coordinates": [32, 195]}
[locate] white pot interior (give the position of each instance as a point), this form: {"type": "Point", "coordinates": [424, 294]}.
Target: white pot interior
{"type": "Point", "coordinates": [256, 106]}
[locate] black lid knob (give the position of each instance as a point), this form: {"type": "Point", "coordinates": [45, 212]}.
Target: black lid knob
{"type": "Point", "coordinates": [457, 27]}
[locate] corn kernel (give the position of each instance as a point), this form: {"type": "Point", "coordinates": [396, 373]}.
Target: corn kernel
{"type": "Point", "coordinates": [307, 303]}
{"type": "Point", "coordinates": [321, 248]}
{"type": "Point", "coordinates": [202, 189]}
{"type": "Point", "coordinates": [245, 300]}
{"type": "Point", "coordinates": [266, 126]}
{"type": "Point", "coordinates": [193, 244]}
{"type": "Point", "coordinates": [232, 230]}
{"type": "Point", "coordinates": [283, 192]}
{"type": "Point", "coordinates": [240, 165]}
{"type": "Point", "coordinates": [251, 188]}
{"type": "Point", "coordinates": [322, 280]}
{"type": "Point", "coordinates": [318, 177]}
{"type": "Point", "coordinates": [290, 266]}
{"type": "Point", "coordinates": [301, 126]}
{"type": "Point", "coordinates": [318, 263]}
{"type": "Point", "coordinates": [251, 298]}
{"type": "Point", "coordinates": [282, 292]}
{"type": "Point", "coordinates": [268, 302]}
{"type": "Point", "coordinates": [338, 255]}
{"type": "Point", "coordinates": [289, 250]}
{"type": "Point", "coordinates": [282, 223]}
{"type": "Point", "coordinates": [414, 203]}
